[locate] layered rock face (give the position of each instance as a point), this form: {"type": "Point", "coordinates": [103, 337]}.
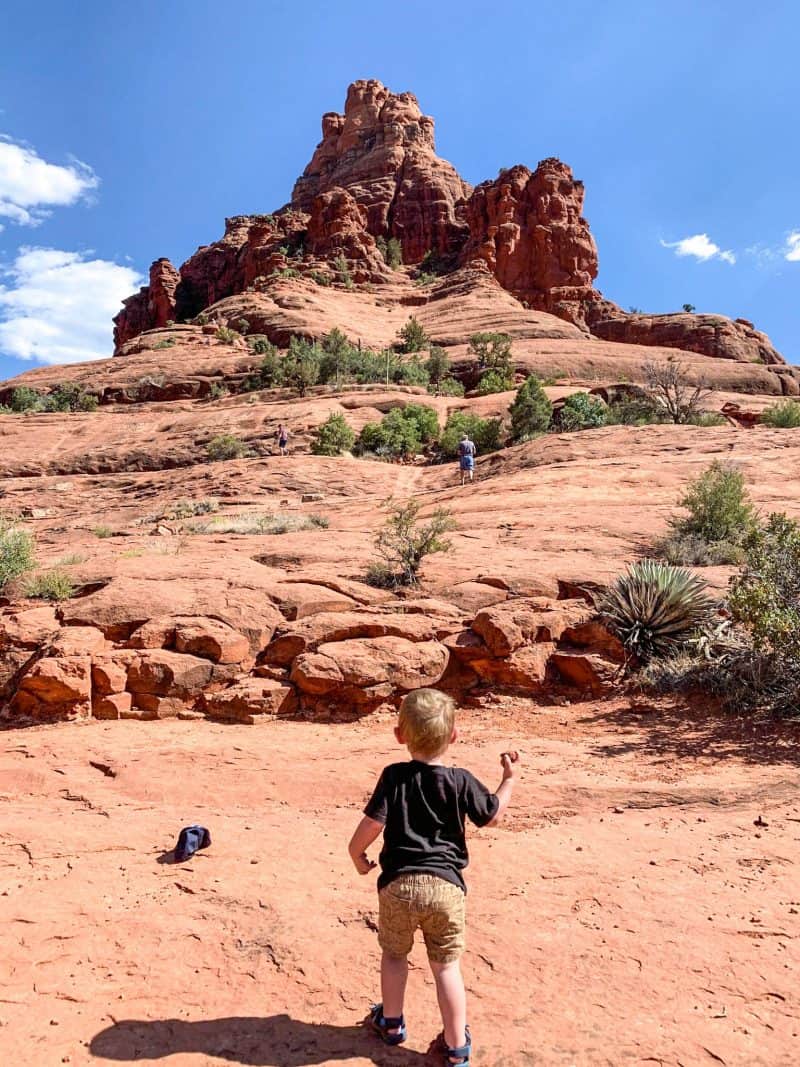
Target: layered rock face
{"type": "Point", "coordinates": [529, 229]}
{"type": "Point", "coordinates": [381, 150]}
{"type": "Point", "coordinates": [710, 335]}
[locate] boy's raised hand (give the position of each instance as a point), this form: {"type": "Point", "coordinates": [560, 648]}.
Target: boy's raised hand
{"type": "Point", "coordinates": [363, 864]}
{"type": "Point", "coordinates": [508, 759]}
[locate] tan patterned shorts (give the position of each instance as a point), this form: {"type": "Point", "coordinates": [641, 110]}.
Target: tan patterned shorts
{"type": "Point", "coordinates": [434, 905]}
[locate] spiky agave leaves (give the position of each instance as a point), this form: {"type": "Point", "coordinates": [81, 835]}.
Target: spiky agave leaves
{"type": "Point", "coordinates": [654, 608]}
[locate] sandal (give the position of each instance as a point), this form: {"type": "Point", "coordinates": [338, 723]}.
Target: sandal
{"type": "Point", "coordinates": [455, 1057]}
{"type": "Point", "coordinates": [381, 1025]}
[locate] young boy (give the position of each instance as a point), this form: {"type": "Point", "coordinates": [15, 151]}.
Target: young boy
{"type": "Point", "coordinates": [421, 807]}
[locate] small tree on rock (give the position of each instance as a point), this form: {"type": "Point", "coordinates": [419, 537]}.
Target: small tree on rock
{"type": "Point", "coordinates": [412, 337]}
{"type": "Point", "coordinates": [531, 410]}
{"type": "Point", "coordinates": [438, 364]}
{"type": "Point", "coordinates": [405, 541]}
{"type": "Point", "coordinates": [673, 386]}
{"type": "Point", "coordinates": [333, 437]}
{"type": "Point", "coordinates": [492, 351]}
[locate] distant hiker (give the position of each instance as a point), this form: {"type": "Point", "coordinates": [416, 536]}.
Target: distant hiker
{"type": "Point", "coordinates": [282, 437]}
{"type": "Point", "coordinates": [421, 806]}
{"type": "Point", "coordinates": [466, 458]}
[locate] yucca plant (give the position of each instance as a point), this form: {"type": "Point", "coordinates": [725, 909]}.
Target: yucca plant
{"type": "Point", "coordinates": [655, 609]}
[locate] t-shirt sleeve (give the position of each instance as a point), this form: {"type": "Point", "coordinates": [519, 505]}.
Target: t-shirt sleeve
{"type": "Point", "coordinates": [378, 804]}
{"type": "Point", "coordinates": [480, 805]}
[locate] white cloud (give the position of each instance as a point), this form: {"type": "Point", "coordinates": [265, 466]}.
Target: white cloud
{"type": "Point", "coordinates": [792, 249]}
{"type": "Point", "coordinates": [57, 306]}
{"type": "Point", "coordinates": [701, 247]}
{"type": "Point", "coordinates": [29, 185]}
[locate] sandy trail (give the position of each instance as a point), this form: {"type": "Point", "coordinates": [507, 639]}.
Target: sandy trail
{"type": "Point", "coordinates": [630, 911]}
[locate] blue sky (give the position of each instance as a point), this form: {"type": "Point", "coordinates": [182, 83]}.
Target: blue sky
{"type": "Point", "coordinates": [678, 117]}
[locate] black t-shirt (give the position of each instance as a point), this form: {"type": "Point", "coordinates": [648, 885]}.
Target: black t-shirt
{"type": "Point", "coordinates": [423, 809]}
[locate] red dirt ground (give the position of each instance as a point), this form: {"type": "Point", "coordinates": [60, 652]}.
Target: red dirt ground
{"type": "Point", "coordinates": [640, 904]}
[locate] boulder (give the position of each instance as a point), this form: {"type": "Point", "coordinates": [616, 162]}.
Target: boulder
{"type": "Point", "coordinates": [212, 640]}
{"type": "Point", "coordinates": [297, 600]}
{"type": "Point", "coordinates": [110, 674]}
{"type": "Point", "coordinates": [125, 604]}
{"type": "Point", "coordinates": [252, 700]}
{"type": "Point", "coordinates": [159, 672]}
{"type": "Point", "coordinates": [596, 637]}
{"type": "Point", "coordinates": [30, 628]}
{"type": "Point", "coordinates": [525, 668]}
{"type": "Point", "coordinates": [112, 706]}
{"type": "Point", "coordinates": [343, 626]}
{"type": "Point", "coordinates": [156, 633]}
{"type": "Point", "coordinates": [588, 671]}
{"type": "Point", "coordinates": [508, 626]}
{"type": "Point", "coordinates": [156, 706]}
{"type": "Point", "coordinates": [55, 688]}
{"type": "Point", "coordinates": [78, 641]}
{"type": "Point", "coordinates": [366, 663]}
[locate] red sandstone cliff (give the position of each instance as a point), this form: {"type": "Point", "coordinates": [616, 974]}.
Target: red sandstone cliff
{"type": "Point", "coordinates": [530, 231]}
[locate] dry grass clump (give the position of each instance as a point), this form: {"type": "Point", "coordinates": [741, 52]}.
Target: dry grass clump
{"type": "Point", "coordinates": [257, 524]}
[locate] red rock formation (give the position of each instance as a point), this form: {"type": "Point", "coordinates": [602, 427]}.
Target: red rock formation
{"type": "Point", "coordinates": [710, 335]}
{"type": "Point", "coordinates": [381, 150]}
{"type": "Point", "coordinates": [338, 227]}
{"type": "Point", "coordinates": [152, 306]}
{"type": "Point", "coordinates": [376, 174]}
{"type": "Point", "coordinates": [529, 229]}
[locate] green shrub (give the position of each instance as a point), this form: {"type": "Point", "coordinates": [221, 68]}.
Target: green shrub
{"type": "Point", "coordinates": [300, 368]}
{"type": "Point", "coordinates": [494, 381]}
{"type": "Point", "coordinates": [261, 345]}
{"type": "Point", "coordinates": [167, 342]}
{"type": "Point", "coordinates": [690, 550]}
{"type": "Point", "coordinates": [320, 277]}
{"type": "Point", "coordinates": [201, 319]}
{"type": "Point", "coordinates": [50, 585]}
{"type": "Point", "coordinates": [226, 336]}
{"type": "Point", "coordinates": [655, 609]}
{"type": "Point", "coordinates": [402, 432]}
{"type": "Point", "coordinates": [432, 263]}
{"type": "Point", "coordinates": [438, 364]}
{"type": "Point", "coordinates": [784, 415]}
{"type": "Point", "coordinates": [689, 308]}
{"type": "Point", "coordinates": [425, 278]}
{"type": "Point", "coordinates": [69, 397]}
{"type": "Point", "coordinates": [342, 268]}
{"type": "Point", "coordinates": [765, 596]}
{"type": "Point", "coordinates": [226, 446]}
{"type": "Point", "coordinates": [103, 532]}
{"type": "Point", "coordinates": [333, 437]}
{"type": "Point", "coordinates": [635, 411]}
{"type": "Point", "coordinates": [25, 399]}
{"type": "Point", "coordinates": [217, 391]}
{"type": "Point", "coordinates": [405, 541]}
{"type": "Point", "coordinates": [447, 387]}
{"type": "Point", "coordinates": [16, 552]}
{"type": "Point", "coordinates": [337, 357]}
{"type": "Point", "coordinates": [707, 418]}
{"type": "Point", "coordinates": [411, 372]}
{"type": "Point", "coordinates": [531, 410]}
{"type": "Point", "coordinates": [719, 506]}
{"type": "Point", "coordinates": [484, 432]}
{"type": "Point", "coordinates": [391, 251]}
{"type": "Point", "coordinates": [492, 351]}
{"type": "Point", "coordinates": [412, 337]}
{"type": "Point", "coordinates": [582, 411]}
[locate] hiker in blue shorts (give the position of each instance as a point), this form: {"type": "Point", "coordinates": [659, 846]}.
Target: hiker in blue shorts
{"type": "Point", "coordinates": [466, 458]}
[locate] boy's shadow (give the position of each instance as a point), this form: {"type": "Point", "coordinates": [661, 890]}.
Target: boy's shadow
{"type": "Point", "coordinates": [273, 1041]}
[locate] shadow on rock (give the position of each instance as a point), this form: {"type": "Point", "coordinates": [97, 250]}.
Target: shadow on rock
{"type": "Point", "coordinates": [273, 1041]}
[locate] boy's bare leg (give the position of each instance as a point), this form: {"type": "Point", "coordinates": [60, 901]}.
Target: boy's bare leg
{"type": "Point", "coordinates": [394, 975]}
{"type": "Point", "coordinates": [452, 999]}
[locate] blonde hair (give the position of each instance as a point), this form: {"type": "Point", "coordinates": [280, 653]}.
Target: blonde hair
{"type": "Point", "coordinates": [426, 721]}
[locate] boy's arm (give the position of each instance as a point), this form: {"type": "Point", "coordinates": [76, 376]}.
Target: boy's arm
{"type": "Point", "coordinates": [506, 787]}
{"type": "Point", "coordinates": [366, 832]}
